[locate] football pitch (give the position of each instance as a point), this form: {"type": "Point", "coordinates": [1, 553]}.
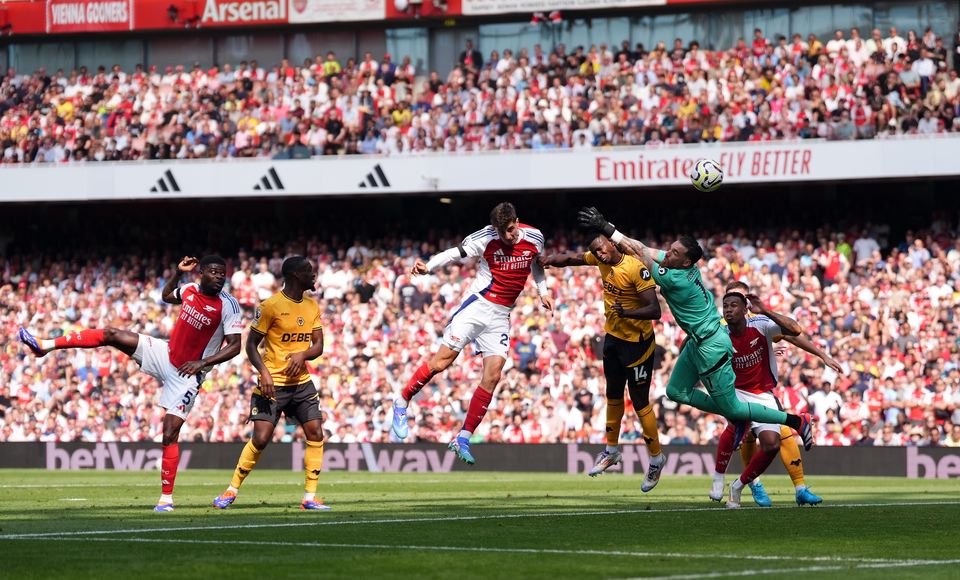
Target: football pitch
{"type": "Point", "coordinates": [471, 525]}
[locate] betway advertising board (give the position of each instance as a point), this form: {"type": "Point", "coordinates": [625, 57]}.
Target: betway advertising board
{"type": "Point", "coordinates": [910, 462]}
{"type": "Point", "coordinates": [627, 167]}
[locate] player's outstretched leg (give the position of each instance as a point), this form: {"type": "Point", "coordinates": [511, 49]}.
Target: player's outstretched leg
{"type": "Point", "coordinates": [492, 367]}
{"type": "Point", "coordinates": [123, 340]}
{"type": "Point", "coordinates": [424, 373]}
{"type": "Point", "coordinates": [769, 449]}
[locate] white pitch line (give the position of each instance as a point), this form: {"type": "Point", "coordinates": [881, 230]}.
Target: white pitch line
{"type": "Point", "coordinates": [868, 562]}
{"type": "Point", "coordinates": [644, 510]}
{"type": "Point", "coordinates": [765, 571]}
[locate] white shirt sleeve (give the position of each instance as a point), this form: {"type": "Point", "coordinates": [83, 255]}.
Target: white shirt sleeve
{"type": "Point", "coordinates": [181, 290]}
{"type": "Point", "coordinates": [232, 319]}
{"type": "Point", "coordinates": [768, 327]}
{"type": "Point", "coordinates": [472, 246]}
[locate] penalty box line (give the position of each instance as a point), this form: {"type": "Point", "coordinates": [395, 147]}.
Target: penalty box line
{"type": "Point", "coordinates": [775, 571]}
{"type": "Point", "coordinates": [859, 562]}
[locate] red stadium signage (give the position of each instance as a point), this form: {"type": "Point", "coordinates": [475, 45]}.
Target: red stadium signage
{"type": "Point", "coordinates": [773, 162]}
{"type": "Point", "coordinates": [89, 15]}
{"type": "Point", "coordinates": [242, 12]}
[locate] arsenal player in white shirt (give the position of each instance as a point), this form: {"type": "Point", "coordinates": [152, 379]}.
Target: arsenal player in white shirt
{"type": "Point", "coordinates": [207, 333]}
{"type": "Point", "coordinates": [508, 252]}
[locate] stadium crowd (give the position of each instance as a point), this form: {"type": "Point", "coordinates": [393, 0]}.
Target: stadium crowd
{"type": "Point", "coordinates": [887, 309]}
{"type": "Point", "coordinates": [845, 87]}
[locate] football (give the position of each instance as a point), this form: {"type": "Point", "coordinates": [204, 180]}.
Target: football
{"type": "Point", "coordinates": [706, 175]}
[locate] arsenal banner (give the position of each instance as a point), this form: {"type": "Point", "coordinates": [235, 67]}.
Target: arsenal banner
{"type": "Point", "coordinates": [89, 15]}
{"type": "Point", "coordinates": [336, 10]}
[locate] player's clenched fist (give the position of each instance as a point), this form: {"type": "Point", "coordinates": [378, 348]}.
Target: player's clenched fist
{"type": "Point", "coordinates": [187, 264]}
{"type": "Point", "coordinates": [419, 268]}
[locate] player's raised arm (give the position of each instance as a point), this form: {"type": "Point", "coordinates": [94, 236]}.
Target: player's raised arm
{"type": "Point", "coordinates": [170, 293]}
{"type": "Point", "coordinates": [540, 279]}
{"type": "Point", "coordinates": [469, 247]}
{"type": "Point", "coordinates": [590, 218]}
{"type": "Point", "coordinates": [562, 260]}
{"type": "Point", "coordinates": [789, 326]}
{"type": "Point", "coordinates": [804, 343]}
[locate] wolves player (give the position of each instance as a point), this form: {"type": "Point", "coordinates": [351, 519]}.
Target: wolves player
{"type": "Point", "coordinates": [508, 252]}
{"type": "Point", "coordinates": [756, 376]}
{"type": "Point", "coordinates": [675, 271]}
{"type": "Point", "coordinates": [789, 451]}
{"type": "Point", "coordinates": [207, 333]}
{"type": "Point", "coordinates": [289, 322]}
{"type": "Point", "coordinates": [630, 303]}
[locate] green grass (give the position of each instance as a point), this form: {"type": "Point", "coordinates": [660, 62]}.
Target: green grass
{"type": "Point", "coordinates": [525, 526]}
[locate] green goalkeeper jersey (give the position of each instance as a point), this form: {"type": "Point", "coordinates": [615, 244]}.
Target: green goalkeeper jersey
{"type": "Point", "coordinates": [690, 302]}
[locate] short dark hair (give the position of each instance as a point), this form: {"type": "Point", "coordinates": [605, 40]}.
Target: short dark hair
{"type": "Point", "coordinates": [735, 294]}
{"type": "Point", "coordinates": [694, 251]}
{"type": "Point", "coordinates": [212, 260]}
{"type": "Point", "coordinates": [292, 265]}
{"type": "Point", "coordinates": [503, 215]}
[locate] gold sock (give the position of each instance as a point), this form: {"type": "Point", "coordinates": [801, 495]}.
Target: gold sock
{"type": "Point", "coordinates": [790, 455]}
{"type": "Point", "coordinates": [248, 459]}
{"type": "Point", "coordinates": [648, 420]}
{"type": "Point", "coordinates": [614, 419]}
{"type": "Point", "coordinates": [312, 464]}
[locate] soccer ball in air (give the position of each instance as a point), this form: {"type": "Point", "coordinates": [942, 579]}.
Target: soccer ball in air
{"type": "Point", "coordinates": [706, 175]}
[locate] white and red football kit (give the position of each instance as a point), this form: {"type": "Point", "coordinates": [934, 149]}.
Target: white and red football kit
{"type": "Point", "coordinates": [755, 365]}
{"type": "Point", "coordinates": [483, 316]}
{"type": "Point", "coordinates": [201, 326]}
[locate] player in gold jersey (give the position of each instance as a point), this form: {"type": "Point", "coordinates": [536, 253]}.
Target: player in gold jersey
{"type": "Point", "coordinates": [290, 323]}
{"type": "Point", "coordinates": [630, 304]}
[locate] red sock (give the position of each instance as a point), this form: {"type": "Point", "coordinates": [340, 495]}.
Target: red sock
{"type": "Point", "coordinates": [80, 339]}
{"type": "Point", "coordinates": [760, 462]}
{"type": "Point", "coordinates": [419, 379]}
{"type": "Point", "coordinates": [168, 467]}
{"type": "Point", "coordinates": [724, 449]}
{"type": "Point", "coordinates": [478, 408]}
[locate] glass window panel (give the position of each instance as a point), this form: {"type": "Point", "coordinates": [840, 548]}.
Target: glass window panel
{"type": "Point", "coordinates": [27, 58]}
{"type": "Point", "coordinates": [127, 53]}
{"type": "Point", "coordinates": [184, 50]}
{"type": "Point", "coordinates": [266, 49]}
{"type": "Point", "coordinates": [412, 42]}
{"type": "Point", "coordinates": [303, 45]}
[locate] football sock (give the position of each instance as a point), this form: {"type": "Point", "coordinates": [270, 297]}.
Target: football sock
{"type": "Point", "coordinates": [790, 455]}
{"type": "Point", "coordinates": [748, 449]}
{"type": "Point", "coordinates": [760, 462]}
{"type": "Point", "coordinates": [724, 449]}
{"type": "Point", "coordinates": [792, 421]}
{"type": "Point", "coordinates": [648, 422]}
{"type": "Point", "coordinates": [420, 377]}
{"type": "Point", "coordinates": [165, 498]}
{"type": "Point", "coordinates": [81, 339]}
{"type": "Point", "coordinates": [478, 408]}
{"type": "Point", "coordinates": [309, 496]}
{"type": "Point", "coordinates": [168, 467]}
{"type": "Point", "coordinates": [614, 419]}
{"type": "Point", "coordinates": [248, 460]}
{"type": "Point", "coordinates": [312, 464]}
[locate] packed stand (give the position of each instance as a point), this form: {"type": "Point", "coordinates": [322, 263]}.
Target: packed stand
{"type": "Point", "coordinates": [845, 87]}
{"type": "Point", "coordinates": [888, 310]}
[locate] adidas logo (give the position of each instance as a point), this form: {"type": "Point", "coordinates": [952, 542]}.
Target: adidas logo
{"type": "Point", "coordinates": [270, 181]}
{"type": "Point", "coordinates": [375, 178]}
{"type": "Point", "coordinates": [166, 183]}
